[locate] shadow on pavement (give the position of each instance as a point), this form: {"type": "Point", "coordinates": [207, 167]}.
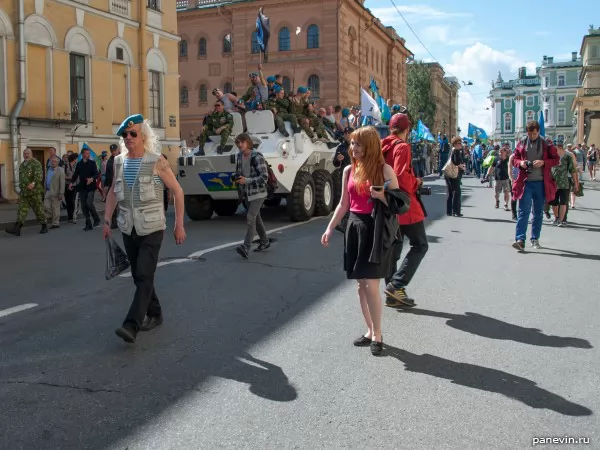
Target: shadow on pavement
{"type": "Point", "coordinates": [489, 327]}
{"type": "Point", "coordinates": [567, 254]}
{"type": "Point", "coordinates": [486, 379]}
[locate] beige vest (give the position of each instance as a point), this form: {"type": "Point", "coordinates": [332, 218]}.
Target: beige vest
{"type": "Point", "coordinates": [141, 205]}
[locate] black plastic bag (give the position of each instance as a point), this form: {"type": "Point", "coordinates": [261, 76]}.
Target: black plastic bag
{"type": "Point", "coordinates": [116, 259]}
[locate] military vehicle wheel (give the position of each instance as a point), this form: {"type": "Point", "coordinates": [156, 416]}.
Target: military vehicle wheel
{"type": "Point", "coordinates": [226, 207]}
{"type": "Point", "coordinates": [323, 192]}
{"type": "Point", "coordinates": [336, 176]}
{"type": "Point", "coordinates": [301, 201]}
{"type": "Point", "coordinates": [199, 207]}
{"type": "Point", "coordinates": [275, 201]}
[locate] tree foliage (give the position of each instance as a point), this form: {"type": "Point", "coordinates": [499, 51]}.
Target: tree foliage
{"type": "Point", "coordinates": [421, 104]}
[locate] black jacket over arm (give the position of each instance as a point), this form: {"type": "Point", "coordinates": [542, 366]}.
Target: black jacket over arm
{"type": "Point", "coordinates": [386, 222]}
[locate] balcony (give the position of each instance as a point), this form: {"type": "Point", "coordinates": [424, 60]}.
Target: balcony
{"type": "Point", "coordinates": [589, 92]}
{"type": "Point", "coordinates": [120, 7]}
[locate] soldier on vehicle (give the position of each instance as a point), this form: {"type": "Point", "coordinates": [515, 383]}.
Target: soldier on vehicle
{"type": "Point", "coordinates": [220, 122]}
{"type": "Point", "coordinates": [31, 186]}
{"type": "Point", "coordinates": [257, 93]}
{"type": "Point", "coordinates": [280, 106]}
{"type": "Point", "coordinates": [314, 121]}
{"type": "Point", "coordinates": [229, 100]}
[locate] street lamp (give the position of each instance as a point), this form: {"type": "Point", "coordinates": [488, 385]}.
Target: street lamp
{"type": "Point", "coordinates": [458, 131]}
{"type": "Point", "coordinates": [444, 126]}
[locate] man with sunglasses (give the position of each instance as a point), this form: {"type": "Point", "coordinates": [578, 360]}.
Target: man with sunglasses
{"type": "Point", "coordinates": [220, 122]}
{"type": "Point", "coordinates": [140, 176]}
{"type": "Point", "coordinates": [534, 157]}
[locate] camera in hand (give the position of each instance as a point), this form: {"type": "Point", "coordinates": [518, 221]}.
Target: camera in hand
{"type": "Point", "coordinates": [235, 176]}
{"type": "Point", "coordinates": [424, 190]}
{"type": "Point", "coordinates": [529, 166]}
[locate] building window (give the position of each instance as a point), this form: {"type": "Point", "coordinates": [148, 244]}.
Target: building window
{"type": "Point", "coordinates": [227, 88]}
{"type": "Point", "coordinates": [593, 51]}
{"type": "Point", "coordinates": [155, 99]}
{"type": "Point", "coordinates": [154, 4]}
{"type": "Point", "coordinates": [284, 40]}
{"type": "Point", "coordinates": [184, 96]}
{"type": "Point", "coordinates": [202, 47]}
{"type": "Point", "coordinates": [561, 99]}
{"type": "Point", "coordinates": [546, 99]}
{"type": "Point", "coordinates": [227, 44]}
{"type": "Point", "coordinates": [546, 82]}
{"type": "Point", "coordinates": [530, 116]}
{"type": "Point", "coordinates": [561, 80]}
{"type": "Point", "coordinates": [367, 55]}
{"type": "Point", "coordinates": [352, 37]}
{"type": "Point", "coordinates": [314, 86]}
{"type": "Point", "coordinates": [546, 115]}
{"type": "Point", "coordinates": [507, 103]}
{"type": "Point", "coordinates": [287, 84]}
{"type": "Point", "coordinates": [530, 100]}
{"type": "Point", "coordinates": [561, 115]}
{"type": "Point", "coordinates": [312, 37]}
{"type": "Point", "coordinates": [254, 47]}
{"type": "Point", "coordinates": [508, 123]}
{"type": "Point", "coordinates": [78, 88]}
{"type": "Point", "coordinates": [203, 94]}
{"type": "Point", "coordinates": [183, 49]}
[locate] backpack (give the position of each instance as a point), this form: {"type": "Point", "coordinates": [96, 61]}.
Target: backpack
{"type": "Point", "coordinates": [272, 183]}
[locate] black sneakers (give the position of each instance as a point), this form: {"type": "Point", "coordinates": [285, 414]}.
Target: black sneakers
{"type": "Point", "coordinates": [262, 246]}
{"type": "Point", "coordinates": [241, 250]}
{"type": "Point", "coordinates": [127, 334]}
{"type": "Point", "coordinates": [397, 297]}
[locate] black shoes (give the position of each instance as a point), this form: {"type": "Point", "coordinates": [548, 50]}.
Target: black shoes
{"type": "Point", "coordinates": [44, 229]}
{"type": "Point", "coordinates": [127, 334]}
{"type": "Point", "coordinates": [15, 229]}
{"type": "Point", "coordinates": [241, 250]}
{"type": "Point", "coordinates": [362, 341]}
{"type": "Point", "coordinates": [376, 347]}
{"type": "Point", "coordinates": [262, 246]}
{"type": "Point", "coordinates": [151, 322]}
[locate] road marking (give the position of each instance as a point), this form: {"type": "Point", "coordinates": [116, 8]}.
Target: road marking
{"type": "Point", "coordinates": [200, 253]}
{"type": "Point", "coordinates": [16, 309]}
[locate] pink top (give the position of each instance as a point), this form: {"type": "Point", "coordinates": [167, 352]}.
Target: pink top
{"type": "Point", "coordinates": [359, 204]}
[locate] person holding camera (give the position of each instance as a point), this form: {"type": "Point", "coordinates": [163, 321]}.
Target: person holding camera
{"type": "Point", "coordinates": [398, 155]}
{"type": "Point", "coordinates": [453, 184]}
{"type": "Point", "coordinates": [534, 184]}
{"type": "Point", "coordinates": [251, 175]}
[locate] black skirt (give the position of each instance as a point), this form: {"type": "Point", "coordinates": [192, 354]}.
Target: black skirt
{"type": "Point", "coordinates": [358, 244]}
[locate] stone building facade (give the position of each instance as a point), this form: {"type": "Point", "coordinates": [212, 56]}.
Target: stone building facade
{"type": "Point", "coordinates": [87, 65]}
{"type": "Point", "coordinates": [445, 94]}
{"type": "Point", "coordinates": [339, 47]}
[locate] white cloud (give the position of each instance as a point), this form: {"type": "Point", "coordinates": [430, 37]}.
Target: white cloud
{"type": "Point", "coordinates": [480, 64]}
{"type": "Point", "coordinates": [413, 14]}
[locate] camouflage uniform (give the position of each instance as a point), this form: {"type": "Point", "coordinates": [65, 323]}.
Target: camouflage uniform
{"type": "Point", "coordinates": [315, 122]}
{"type": "Point", "coordinates": [252, 97]}
{"type": "Point", "coordinates": [282, 114]}
{"type": "Point", "coordinates": [299, 110]}
{"type": "Point", "coordinates": [31, 172]}
{"type": "Point", "coordinates": [214, 121]}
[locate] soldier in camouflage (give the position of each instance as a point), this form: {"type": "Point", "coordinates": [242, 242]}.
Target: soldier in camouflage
{"type": "Point", "coordinates": [314, 120]}
{"type": "Point", "coordinates": [258, 93]}
{"type": "Point", "coordinates": [298, 105]}
{"type": "Point", "coordinates": [31, 186]}
{"type": "Point", "coordinates": [220, 122]}
{"type": "Point", "coordinates": [280, 106]}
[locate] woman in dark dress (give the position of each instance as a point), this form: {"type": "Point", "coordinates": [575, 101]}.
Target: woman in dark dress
{"type": "Point", "coordinates": [362, 186]}
{"type": "Point", "coordinates": [453, 184]}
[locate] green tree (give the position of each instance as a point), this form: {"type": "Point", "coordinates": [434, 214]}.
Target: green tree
{"type": "Point", "coordinates": [421, 104]}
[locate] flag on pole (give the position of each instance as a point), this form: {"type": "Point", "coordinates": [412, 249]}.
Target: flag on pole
{"type": "Point", "coordinates": [542, 125]}
{"type": "Point", "coordinates": [263, 32]}
{"type": "Point", "coordinates": [369, 107]}
{"type": "Point", "coordinates": [477, 133]}
{"type": "Point", "coordinates": [93, 155]}
{"type": "Point", "coordinates": [383, 107]}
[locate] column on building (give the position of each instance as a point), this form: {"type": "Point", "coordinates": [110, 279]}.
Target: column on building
{"type": "Point", "coordinates": [519, 113]}
{"type": "Point", "coordinates": [498, 116]}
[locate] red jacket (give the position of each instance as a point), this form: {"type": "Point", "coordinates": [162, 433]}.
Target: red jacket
{"type": "Point", "coordinates": [398, 155]}
{"type": "Point", "coordinates": [551, 159]}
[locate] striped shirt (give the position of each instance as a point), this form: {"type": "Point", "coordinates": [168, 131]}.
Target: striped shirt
{"type": "Point", "coordinates": [131, 167]}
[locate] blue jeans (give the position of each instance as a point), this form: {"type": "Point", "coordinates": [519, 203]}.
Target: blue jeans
{"type": "Point", "coordinates": [534, 193]}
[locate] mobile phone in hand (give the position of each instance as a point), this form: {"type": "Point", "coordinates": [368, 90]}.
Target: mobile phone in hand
{"type": "Point", "coordinates": [377, 188]}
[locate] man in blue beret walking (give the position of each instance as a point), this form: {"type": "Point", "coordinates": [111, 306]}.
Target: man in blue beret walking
{"type": "Point", "coordinates": [140, 176]}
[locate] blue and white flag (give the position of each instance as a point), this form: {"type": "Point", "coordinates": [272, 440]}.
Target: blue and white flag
{"type": "Point", "coordinates": [369, 107]}
{"type": "Point", "coordinates": [477, 133]}
{"type": "Point", "coordinates": [263, 32]}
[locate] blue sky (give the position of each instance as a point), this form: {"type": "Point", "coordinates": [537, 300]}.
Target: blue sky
{"type": "Point", "coordinates": [474, 40]}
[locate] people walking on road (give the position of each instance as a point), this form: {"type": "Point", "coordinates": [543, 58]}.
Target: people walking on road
{"type": "Point", "coordinates": [55, 191]}
{"type": "Point", "coordinates": [501, 174]}
{"type": "Point", "coordinates": [366, 256]}
{"type": "Point", "coordinates": [140, 172]}
{"type": "Point", "coordinates": [453, 191]}
{"type": "Point", "coordinates": [251, 176]}
{"type": "Point", "coordinates": [31, 175]}
{"type": "Point", "coordinates": [561, 173]}
{"type": "Point", "coordinates": [70, 191]}
{"type": "Point", "coordinates": [109, 177]}
{"type": "Point", "coordinates": [444, 152]}
{"type": "Point", "coordinates": [397, 154]}
{"type": "Point", "coordinates": [592, 159]}
{"type": "Point", "coordinates": [513, 174]}
{"type": "Point", "coordinates": [84, 178]}
{"type": "Point", "coordinates": [534, 185]}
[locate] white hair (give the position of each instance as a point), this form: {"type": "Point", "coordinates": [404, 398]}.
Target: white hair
{"type": "Point", "coordinates": [151, 140]}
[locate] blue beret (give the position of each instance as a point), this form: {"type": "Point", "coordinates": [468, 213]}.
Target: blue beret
{"type": "Point", "coordinates": [129, 122]}
{"type": "Point", "coordinates": [396, 108]}
{"type": "Point", "coordinates": [302, 90]}
{"type": "Point", "coordinates": [271, 79]}
{"type": "Point", "coordinates": [345, 112]}
{"type": "Point", "coordinates": [277, 88]}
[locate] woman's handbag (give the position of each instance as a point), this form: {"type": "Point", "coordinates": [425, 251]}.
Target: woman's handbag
{"type": "Point", "coordinates": [450, 169]}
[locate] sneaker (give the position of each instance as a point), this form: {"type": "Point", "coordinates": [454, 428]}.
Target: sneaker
{"type": "Point", "coordinates": [519, 245]}
{"type": "Point", "coordinates": [548, 216]}
{"type": "Point", "coordinates": [241, 250]}
{"type": "Point", "coordinates": [555, 222]}
{"type": "Point", "coordinates": [397, 297]}
{"type": "Point", "coordinates": [497, 204]}
{"type": "Point", "coordinates": [262, 246]}
{"type": "Point", "coordinates": [559, 223]}
{"type": "Point", "coordinates": [535, 244]}
{"type": "Point", "coordinates": [514, 218]}
{"type": "Point", "coordinates": [506, 207]}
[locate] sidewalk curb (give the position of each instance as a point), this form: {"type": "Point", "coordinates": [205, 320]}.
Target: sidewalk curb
{"type": "Point", "coordinates": [63, 218]}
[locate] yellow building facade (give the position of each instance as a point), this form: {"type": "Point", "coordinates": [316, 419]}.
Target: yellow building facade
{"type": "Point", "coordinates": [72, 70]}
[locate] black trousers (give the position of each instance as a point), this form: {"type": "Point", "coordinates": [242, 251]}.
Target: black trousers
{"type": "Point", "coordinates": [142, 252]}
{"type": "Point", "coordinates": [87, 206]}
{"type": "Point", "coordinates": [417, 238]}
{"type": "Point", "coordinates": [70, 201]}
{"type": "Point", "coordinates": [453, 195]}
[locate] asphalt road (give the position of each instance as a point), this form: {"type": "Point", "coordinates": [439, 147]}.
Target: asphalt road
{"type": "Point", "coordinates": [501, 348]}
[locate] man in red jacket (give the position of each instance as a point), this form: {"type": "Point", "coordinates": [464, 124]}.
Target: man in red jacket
{"type": "Point", "coordinates": [398, 155]}
{"type": "Point", "coordinates": [534, 158]}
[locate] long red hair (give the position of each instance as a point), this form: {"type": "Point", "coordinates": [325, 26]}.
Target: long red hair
{"type": "Point", "coordinates": [369, 170]}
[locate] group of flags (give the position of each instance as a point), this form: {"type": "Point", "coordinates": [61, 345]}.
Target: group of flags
{"type": "Point", "coordinates": [373, 106]}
